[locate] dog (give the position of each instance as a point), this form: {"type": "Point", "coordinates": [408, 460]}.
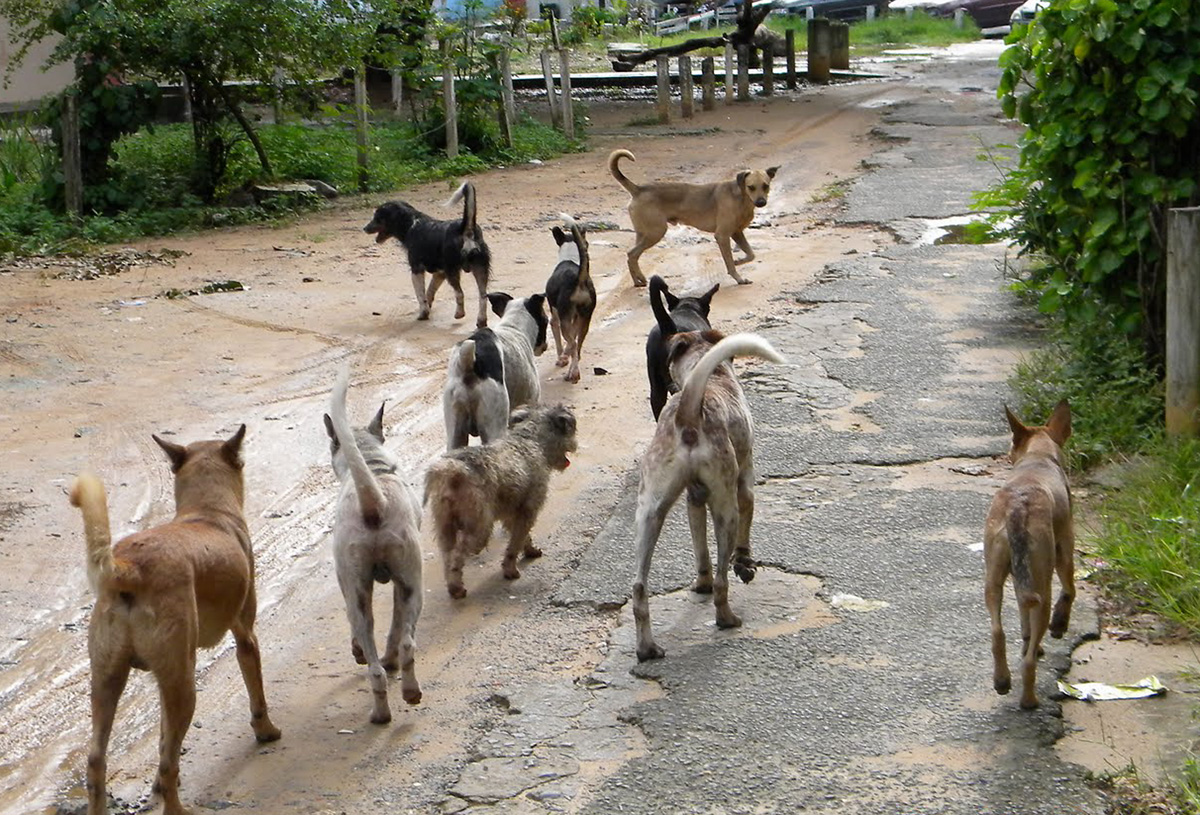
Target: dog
{"type": "Point", "coordinates": [163, 593]}
{"type": "Point", "coordinates": [724, 208]}
{"type": "Point", "coordinates": [470, 489]}
{"type": "Point", "coordinates": [442, 248]}
{"type": "Point", "coordinates": [1029, 533]}
{"type": "Point", "coordinates": [686, 314]}
{"type": "Point", "coordinates": [376, 538]}
{"type": "Point", "coordinates": [493, 371]}
{"type": "Point", "coordinates": [571, 296]}
{"type": "Point", "coordinates": [704, 443]}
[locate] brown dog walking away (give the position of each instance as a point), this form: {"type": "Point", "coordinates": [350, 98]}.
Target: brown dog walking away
{"type": "Point", "coordinates": [163, 593]}
{"type": "Point", "coordinates": [1029, 533]}
{"type": "Point", "coordinates": [724, 208]}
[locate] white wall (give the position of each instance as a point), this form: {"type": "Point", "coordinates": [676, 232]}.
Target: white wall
{"type": "Point", "coordinates": [29, 83]}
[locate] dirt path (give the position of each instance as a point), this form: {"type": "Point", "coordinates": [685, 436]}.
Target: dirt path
{"type": "Point", "coordinates": [91, 368]}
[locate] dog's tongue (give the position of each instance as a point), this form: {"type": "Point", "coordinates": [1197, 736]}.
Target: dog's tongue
{"type": "Point", "coordinates": [568, 464]}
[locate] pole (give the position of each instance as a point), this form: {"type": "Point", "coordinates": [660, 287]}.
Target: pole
{"type": "Point", "coordinates": [450, 101]}
{"type": "Point", "coordinates": [360, 125]}
{"type": "Point", "coordinates": [664, 89]}
{"type": "Point", "coordinates": [685, 87]}
{"type": "Point", "coordinates": [1183, 322]}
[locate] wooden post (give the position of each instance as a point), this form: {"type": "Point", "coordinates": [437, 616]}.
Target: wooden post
{"type": "Point", "coordinates": [277, 96]}
{"type": "Point", "coordinates": [568, 113]}
{"type": "Point", "coordinates": [72, 161]}
{"type": "Point", "coordinates": [664, 89]}
{"type": "Point", "coordinates": [839, 57]}
{"type": "Point", "coordinates": [819, 50]}
{"type": "Point", "coordinates": [743, 79]}
{"type": "Point", "coordinates": [398, 91]}
{"type": "Point", "coordinates": [554, 32]}
{"type": "Point", "coordinates": [1183, 322]}
{"type": "Point", "coordinates": [686, 88]}
{"type": "Point", "coordinates": [708, 84]}
{"type": "Point", "coordinates": [768, 71]}
{"type": "Point", "coordinates": [185, 87]}
{"type": "Point", "coordinates": [360, 125]}
{"type": "Point", "coordinates": [548, 73]}
{"type": "Point", "coordinates": [506, 86]}
{"type": "Point", "coordinates": [451, 102]}
{"type": "Point", "coordinates": [502, 117]}
{"type": "Point", "coordinates": [728, 73]}
{"type": "Point", "coordinates": [790, 39]}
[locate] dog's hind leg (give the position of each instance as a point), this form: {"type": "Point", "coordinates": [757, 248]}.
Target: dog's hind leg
{"type": "Point", "coordinates": [556, 328]}
{"type": "Point", "coordinates": [744, 565]}
{"type": "Point", "coordinates": [250, 661]}
{"type": "Point", "coordinates": [993, 597]}
{"type": "Point", "coordinates": [645, 239]}
{"type": "Point", "coordinates": [357, 592]}
{"type": "Point", "coordinates": [108, 682]}
{"type": "Point", "coordinates": [418, 281]}
{"type": "Point", "coordinates": [1064, 565]}
{"type": "Point", "coordinates": [725, 529]}
{"type": "Point", "coordinates": [697, 506]}
{"type": "Point", "coordinates": [576, 352]}
{"type": "Point", "coordinates": [177, 692]}
{"type": "Point", "coordinates": [480, 273]}
{"type": "Point", "coordinates": [519, 542]}
{"type": "Point", "coordinates": [452, 566]}
{"type": "Point", "coordinates": [1036, 608]}
{"type": "Point", "coordinates": [452, 277]}
{"type": "Point", "coordinates": [652, 508]}
{"type": "Point", "coordinates": [435, 283]}
{"type": "Point", "coordinates": [402, 639]}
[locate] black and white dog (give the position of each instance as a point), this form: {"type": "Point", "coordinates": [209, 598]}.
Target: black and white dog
{"type": "Point", "coordinates": [686, 314]}
{"type": "Point", "coordinates": [442, 248]}
{"type": "Point", "coordinates": [493, 371]}
{"type": "Point", "coordinates": [571, 296]}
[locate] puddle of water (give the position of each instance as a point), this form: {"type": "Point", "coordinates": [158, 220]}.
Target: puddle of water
{"type": "Point", "coordinates": [940, 231]}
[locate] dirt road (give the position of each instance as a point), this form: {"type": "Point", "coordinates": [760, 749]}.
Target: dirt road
{"type": "Point", "coordinates": [90, 368]}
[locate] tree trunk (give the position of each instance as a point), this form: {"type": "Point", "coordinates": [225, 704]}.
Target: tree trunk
{"type": "Point", "coordinates": [232, 106]}
{"type": "Point", "coordinates": [748, 21]}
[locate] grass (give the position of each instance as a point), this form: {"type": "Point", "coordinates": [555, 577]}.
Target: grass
{"type": "Point", "coordinates": [1149, 530]}
{"type": "Point", "coordinates": [1127, 793]}
{"type": "Point", "coordinates": [153, 166]}
{"type": "Point", "coordinates": [921, 29]}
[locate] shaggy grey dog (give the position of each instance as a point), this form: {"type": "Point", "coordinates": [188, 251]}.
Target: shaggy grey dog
{"type": "Point", "coordinates": [471, 488]}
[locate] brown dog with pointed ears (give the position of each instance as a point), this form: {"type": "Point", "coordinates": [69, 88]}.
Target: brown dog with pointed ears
{"type": "Point", "coordinates": [1029, 533]}
{"type": "Point", "coordinates": [163, 593]}
{"type": "Point", "coordinates": [724, 208]}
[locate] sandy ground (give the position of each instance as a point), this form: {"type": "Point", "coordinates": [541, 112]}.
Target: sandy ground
{"type": "Point", "coordinates": [90, 368]}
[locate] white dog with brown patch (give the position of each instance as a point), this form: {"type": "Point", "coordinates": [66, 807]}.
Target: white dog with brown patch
{"type": "Point", "coordinates": [704, 443]}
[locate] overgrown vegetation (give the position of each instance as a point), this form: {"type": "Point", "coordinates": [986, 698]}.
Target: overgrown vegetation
{"type": "Point", "coordinates": [920, 29]}
{"type": "Point", "coordinates": [1108, 92]}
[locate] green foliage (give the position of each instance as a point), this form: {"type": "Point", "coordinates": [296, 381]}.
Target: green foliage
{"type": "Point", "coordinates": [588, 22]}
{"type": "Point", "coordinates": [899, 29]}
{"type": "Point", "coordinates": [1108, 91]}
{"type": "Point", "coordinates": [1148, 532]}
{"type": "Point", "coordinates": [1116, 400]}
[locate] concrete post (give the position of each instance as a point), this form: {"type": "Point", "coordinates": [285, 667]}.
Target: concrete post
{"type": "Point", "coordinates": [708, 84]}
{"type": "Point", "coordinates": [819, 50]}
{"type": "Point", "coordinates": [1183, 322]}
{"type": "Point", "coordinates": [729, 73]}
{"type": "Point", "coordinates": [743, 73]}
{"type": "Point", "coordinates": [686, 89]}
{"type": "Point", "coordinates": [664, 89]}
{"type": "Point", "coordinates": [790, 40]}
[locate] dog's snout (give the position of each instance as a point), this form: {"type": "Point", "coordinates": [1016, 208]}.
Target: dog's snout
{"type": "Point", "coordinates": [760, 202]}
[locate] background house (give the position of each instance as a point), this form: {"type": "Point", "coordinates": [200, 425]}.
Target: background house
{"type": "Point", "coordinates": [25, 86]}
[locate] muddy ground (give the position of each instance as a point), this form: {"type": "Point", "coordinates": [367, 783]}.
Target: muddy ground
{"type": "Point", "coordinates": [91, 367]}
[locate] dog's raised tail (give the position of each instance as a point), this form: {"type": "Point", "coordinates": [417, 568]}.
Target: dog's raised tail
{"type": "Point", "coordinates": [466, 194]}
{"type": "Point", "coordinates": [735, 345]}
{"type": "Point", "coordinates": [370, 497]}
{"type": "Point", "coordinates": [613, 167]}
{"type": "Point", "coordinates": [87, 493]}
{"type": "Point", "coordinates": [666, 325]}
{"type": "Point", "coordinates": [579, 235]}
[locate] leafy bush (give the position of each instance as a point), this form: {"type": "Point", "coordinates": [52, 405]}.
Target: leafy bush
{"type": "Point", "coordinates": [1108, 91]}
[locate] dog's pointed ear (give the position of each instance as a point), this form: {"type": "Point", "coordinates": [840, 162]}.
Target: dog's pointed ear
{"type": "Point", "coordinates": [536, 304]}
{"type": "Point", "coordinates": [375, 428]}
{"type": "Point", "coordinates": [562, 420]}
{"type": "Point", "coordinates": [741, 178]}
{"type": "Point", "coordinates": [706, 298]}
{"type": "Point", "coordinates": [560, 237]}
{"type": "Point", "coordinates": [232, 448]}
{"type": "Point", "coordinates": [1019, 430]}
{"type": "Point", "coordinates": [176, 452]}
{"type": "Point", "coordinates": [771, 171]}
{"type": "Point", "coordinates": [672, 300]}
{"type": "Point", "coordinates": [329, 428]}
{"type": "Point", "coordinates": [517, 416]}
{"type": "Point", "coordinates": [1059, 426]}
{"type": "Point", "coordinates": [499, 301]}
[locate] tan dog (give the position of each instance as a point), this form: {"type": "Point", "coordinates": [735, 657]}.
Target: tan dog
{"type": "Point", "coordinates": [163, 593]}
{"type": "Point", "coordinates": [704, 443]}
{"type": "Point", "coordinates": [1029, 533]}
{"type": "Point", "coordinates": [724, 208]}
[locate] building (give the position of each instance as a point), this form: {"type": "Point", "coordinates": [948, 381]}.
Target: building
{"type": "Point", "coordinates": [24, 86]}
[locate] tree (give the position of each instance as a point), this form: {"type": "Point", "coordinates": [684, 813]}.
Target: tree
{"type": "Point", "coordinates": [748, 21]}
{"type": "Point", "coordinates": [211, 44]}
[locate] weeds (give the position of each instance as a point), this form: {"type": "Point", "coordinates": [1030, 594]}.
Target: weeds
{"type": "Point", "coordinates": [1127, 793]}
{"type": "Point", "coordinates": [920, 29]}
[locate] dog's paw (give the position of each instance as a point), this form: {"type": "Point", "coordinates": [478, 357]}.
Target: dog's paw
{"type": "Point", "coordinates": [639, 281]}
{"type": "Point", "coordinates": [412, 696]}
{"type": "Point", "coordinates": [423, 315]}
{"type": "Point", "coordinates": [381, 716]}
{"type": "Point", "coordinates": [266, 731]}
{"type": "Point", "coordinates": [511, 572]}
{"type": "Point", "coordinates": [1029, 703]}
{"type": "Point", "coordinates": [391, 664]}
{"type": "Point", "coordinates": [703, 584]}
{"type": "Point", "coordinates": [649, 652]}
{"type": "Point", "coordinates": [1002, 685]}
{"type": "Point", "coordinates": [459, 313]}
{"type": "Point", "coordinates": [457, 591]}
{"type": "Point", "coordinates": [744, 567]}
{"type": "Point", "coordinates": [531, 552]}
{"type": "Point", "coordinates": [571, 376]}
{"type": "Point", "coordinates": [563, 361]}
{"type": "Point", "coordinates": [727, 619]}
{"type": "Point", "coordinates": [741, 281]}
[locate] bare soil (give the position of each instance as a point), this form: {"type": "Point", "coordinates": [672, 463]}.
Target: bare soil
{"type": "Point", "coordinates": [90, 368]}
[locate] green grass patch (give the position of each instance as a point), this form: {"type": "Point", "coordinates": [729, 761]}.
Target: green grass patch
{"type": "Point", "coordinates": [154, 166]}
{"type": "Point", "coordinates": [921, 30]}
{"type": "Point", "coordinates": [1116, 401]}
{"type": "Point", "coordinates": [1127, 793]}
{"type": "Point", "coordinates": [1148, 532]}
